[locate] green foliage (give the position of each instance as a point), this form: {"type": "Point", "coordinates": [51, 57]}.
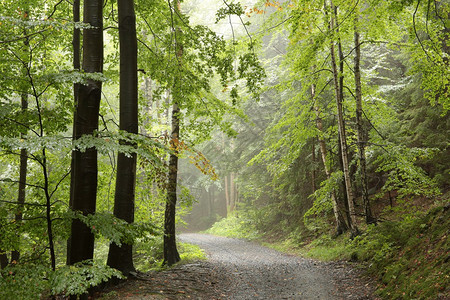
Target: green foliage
{"type": "Point", "coordinates": [117, 230]}
{"type": "Point", "coordinates": [327, 248]}
{"type": "Point", "coordinates": [190, 253]}
{"type": "Point", "coordinates": [235, 226]}
{"type": "Point", "coordinates": [322, 203]}
{"type": "Point", "coordinates": [149, 254]}
{"type": "Point", "coordinates": [408, 256]}
{"type": "Point", "coordinates": [78, 278]}
{"type": "Point", "coordinates": [27, 281]}
{"type": "Point", "coordinates": [404, 175]}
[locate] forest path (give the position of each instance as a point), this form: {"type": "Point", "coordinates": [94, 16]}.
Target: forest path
{"type": "Point", "coordinates": [258, 272]}
{"type": "Point", "coordinates": [238, 269]}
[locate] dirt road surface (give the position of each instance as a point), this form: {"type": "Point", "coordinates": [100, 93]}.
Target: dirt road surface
{"type": "Point", "coordinates": [238, 269]}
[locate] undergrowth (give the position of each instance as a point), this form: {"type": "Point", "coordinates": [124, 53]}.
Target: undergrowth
{"type": "Point", "coordinates": [235, 226]}
{"type": "Point", "coordinates": [149, 256]}
{"type": "Point", "coordinates": [409, 257]}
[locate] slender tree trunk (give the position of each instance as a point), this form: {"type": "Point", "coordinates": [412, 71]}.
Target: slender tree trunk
{"type": "Point", "coordinates": [313, 171]}
{"type": "Point", "coordinates": [15, 255]}
{"type": "Point", "coordinates": [341, 225]}
{"type": "Point", "coordinates": [360, 131]}
{"type": "Point", "coordinates": [48, 207]}
{"type": "Point", "coordinates": [84, 172]}
{"type": "Point", "coordinates": [211, 201]}
{"type": "Point", "coordinates": [121, 257]}
{"type": "Point", "coordinates": [171, 255]}
{"type": "Point", "coordinates": [3, 260]}
{"type": "Point", "coordinates": [76, 43]}
{"type": "Point", "coordinates": [232, 192]}
{"type": "Point", "coordinates": [343, 202]}
{"type": "Point", "coordinates": [3, 257]}
{"type": "Point", "coordinates": [341, 127]}
{"type": "Point", "coordinates": [227, 193]}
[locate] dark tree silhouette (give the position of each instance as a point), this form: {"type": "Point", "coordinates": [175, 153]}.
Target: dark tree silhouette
{"type": "Point", "coordinates": [121, 257]}
{"type": "Point", "coordinates": [84, 165]}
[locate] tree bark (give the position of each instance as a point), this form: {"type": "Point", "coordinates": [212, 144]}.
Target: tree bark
{"type": "Point", "coordinates": [313, 171]}
{"type": "Point", "coordinates": [15, 255]}
{"type": "Point", "coordinates": [338, 80]}
{"type": "Point", "coordinates": [171, 255]}
{"type": "Point", "coordinates": [227, 193]}
{"type": "Point", "coordinates": [360, 131]}
{"type": "Point", "coordinates": [341, 225]}
{"type": "Point", "coordinates": [85, 170]}
{"type": "Point", "coordinates": [3, 260]}
{"type": "Point", "coordinates": [232, 192]}
{"type": "Point", "coordinates": [76, 43]}
{"type": "Point", "coordinates": [121, 257]}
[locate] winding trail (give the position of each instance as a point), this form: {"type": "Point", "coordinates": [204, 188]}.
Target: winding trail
{"type": "Point", "coordinates": [257, 272]}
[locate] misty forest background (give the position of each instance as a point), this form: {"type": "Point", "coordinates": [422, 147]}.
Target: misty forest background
{"type": "Point", "coordinates": [320, 126]}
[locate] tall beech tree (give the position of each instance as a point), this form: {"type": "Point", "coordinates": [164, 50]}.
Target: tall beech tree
{"type": "Point", "coordinates": [121, 256]}
{"type": "Point", "coordinates": [338, 89]}
{"type": "Point", "coordinates": [360, 129]}
{"type": "Point", "coordinates": [84, 167]}
{"type": "Point", "coordinates": [171, 255]}
{"type": "Point", "coordinates": [341, 225]}
{"type": "Point", "coordinates": [23, 166]}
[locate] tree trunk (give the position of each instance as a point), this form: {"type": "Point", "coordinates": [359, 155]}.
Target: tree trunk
{"type": "Point", "coordinates": [85, 170]}
{"type": "Point", "coordinates": [360, 131]}
{"type": "Point", "coordinates": [313, 171]}
{"type": "Point", "coordinates": [76, 43]}
{"type": "Point", "coordinates": [227, 193]}
{"type": "Point", "coordinates": [341, 225]}
{"type": "Point", "coordinates": [3, 260]}
{"type": "Point", "coordinates": [15, 255]}
{"type": "Point", "coordinates": [121, 257]}
{"type": "Point", "coordinates": [232, 192]}
{"type": "Point", "coordinates": [211, 201]}
{"type": "Point", "coordinates": [171, 255]}
{"type": "Point", "coordinates": [338, 79]}
{"type": "Point", "coordinates": [343, 201]}
{"type": "Point", "coordinates": [3, 257]}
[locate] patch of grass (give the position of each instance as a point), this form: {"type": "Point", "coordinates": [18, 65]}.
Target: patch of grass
{"type": "Point", "coordinates": [234, 226]}
{"type": "Point", "coordinates": [190, 252]}
{"type": "Point", "coordinates": [327, 248]}
{"type": "Point", "coordinates": [149, 255]}
{"type": "Point", "coordinates": [323, 248]}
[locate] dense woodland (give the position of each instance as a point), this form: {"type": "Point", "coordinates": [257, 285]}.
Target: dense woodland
{"type": "Point", "coordinates": [123, 122]}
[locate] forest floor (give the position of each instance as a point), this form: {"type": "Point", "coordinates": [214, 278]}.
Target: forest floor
{"type": "Point", "coordinates": [238, 269]}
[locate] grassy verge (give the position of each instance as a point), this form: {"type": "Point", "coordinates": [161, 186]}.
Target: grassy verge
{"type": "Point", "coordinates": [235, 227]}
{"type": "Point", "coordinates": [149, 255]}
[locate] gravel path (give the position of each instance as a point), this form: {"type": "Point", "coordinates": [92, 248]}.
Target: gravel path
{"type": "Point", "coordinates": [251, 271]}
{"type": "Point", "coordinates": [238, 269]}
